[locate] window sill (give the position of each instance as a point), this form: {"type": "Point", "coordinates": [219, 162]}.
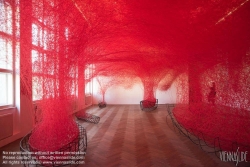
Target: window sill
{"type": "Point", "coordinates": [6, 107]}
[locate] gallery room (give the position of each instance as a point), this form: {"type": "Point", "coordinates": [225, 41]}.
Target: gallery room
{"type": "Point", "coordinates": [125, 83]}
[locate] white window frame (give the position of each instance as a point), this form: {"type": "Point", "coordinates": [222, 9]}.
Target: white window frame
{"type": "Point", "coordinates": [10, 33]}
{"type": "Point", "coordinates": [40, 33]}
{"type": "Point", "coordinates": [88, 72]}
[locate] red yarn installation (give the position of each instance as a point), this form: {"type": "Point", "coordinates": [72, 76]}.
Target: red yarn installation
{"type": "Point", "coordinates": [218, 82]}
{"type": "Point", "coordinates": [51, 42]}
{"type": "Point", "coordinates": [56, 130]}
{"type": "Point", "coordinates": [156, 43]}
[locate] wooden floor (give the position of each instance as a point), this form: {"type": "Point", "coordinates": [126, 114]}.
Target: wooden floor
{"type": "Point", "coordinates": [127, 136]}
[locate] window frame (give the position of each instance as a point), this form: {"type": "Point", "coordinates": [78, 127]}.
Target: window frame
{"type": "Point", "coordinates": [44, 52]}
{"type": "Point", "coordinates": [12, 36]}
{"type": "Point", "coordinates": [88, 75]}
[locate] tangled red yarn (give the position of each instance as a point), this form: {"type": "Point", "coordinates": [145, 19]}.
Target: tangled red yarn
{"type": "Point", "coordinates": [157, 43]}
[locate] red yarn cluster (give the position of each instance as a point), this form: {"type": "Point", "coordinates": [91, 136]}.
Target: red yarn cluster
{"type": "Point", "coordinates": [220, 126]}
{"type": "Point", "coordinates": [57, 129]}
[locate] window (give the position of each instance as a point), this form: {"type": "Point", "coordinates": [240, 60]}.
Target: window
{"type": "Point", "coordinates": [88, 76]}
{"type": "Point", "coordinates": [44, 53]}
{"type": "Point", "coordinates": [9, 47]}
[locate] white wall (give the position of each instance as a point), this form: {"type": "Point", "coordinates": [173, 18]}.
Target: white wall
{"type": "Point", "coordinates": [120, 95]}
{"type": "Point", "coordinates": [167, 97]}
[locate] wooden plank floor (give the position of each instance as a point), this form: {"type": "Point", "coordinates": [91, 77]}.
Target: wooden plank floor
{"type": "Point", "coordinates": [129, 137]}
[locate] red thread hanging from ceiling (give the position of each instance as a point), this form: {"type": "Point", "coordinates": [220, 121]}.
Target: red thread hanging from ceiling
{"type": "Point", "coordinates": [156, 43]}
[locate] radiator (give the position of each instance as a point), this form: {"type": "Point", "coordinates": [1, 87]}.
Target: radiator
{"type": "Point", "coordinates": [88, 99]}
{"type": "Point", "coordinates": [6, 126]}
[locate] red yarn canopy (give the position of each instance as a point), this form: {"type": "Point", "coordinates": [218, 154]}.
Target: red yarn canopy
{"type": "Point", "coordinates": [155, 42]}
